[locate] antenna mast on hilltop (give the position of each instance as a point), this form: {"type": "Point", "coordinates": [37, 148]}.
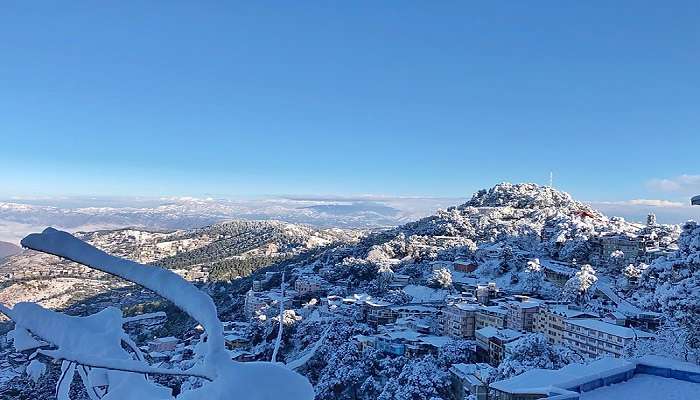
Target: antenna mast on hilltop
{"type": "Point", "coordinates": [551, 179]}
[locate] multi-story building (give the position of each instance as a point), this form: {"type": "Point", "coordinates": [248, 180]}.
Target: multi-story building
{"type": "Point", "coordinates": [460, 320]}
{"type": "Point", "coordinates": [633, 247]}
{"type": "Point", "coordinates": [491, 343]}
{"type": "Point", "coordinates": [402, 342]}
{"type": "Point", "coordinates": [379, 312]}
{"type": "Point", "coordinates": [470, 380]}
{"type": "Point", "coordinates": [494, 316]}
{"type": "Point", "coordinates": [399, 280]}
{"type": "Point", "coordinates": [485, 293]}
{"type": "Point", "coordinates": [549, 321]}
{"type": "Point", "coordinates": [254, 301]}
{"type": "Point", "coordinates": [521, 314]}
{"type": "Point", "coordinates": [597, 338]}
{"type": "Point", "coordinates": [307, 284]}
{"type": "Point", "coordinates": [417, 311]}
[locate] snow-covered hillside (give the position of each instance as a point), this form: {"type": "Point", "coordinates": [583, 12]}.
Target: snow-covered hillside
{"type": "Point", "coordinates": [233, 249]}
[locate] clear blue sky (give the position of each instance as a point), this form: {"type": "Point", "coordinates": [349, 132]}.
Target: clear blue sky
{"type": "Point", "coordinates": [397, 97]}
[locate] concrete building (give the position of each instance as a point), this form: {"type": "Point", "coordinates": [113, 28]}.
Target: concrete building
{"type": "Point", "coordinates": [491, 343]}
{"type": "Point", "coordinates": [558, 272]}
{"type": "Point", "coordinates": [470, 380]}
{"type": "Point", "coordinates": [633, 248]}
{"type": "Point", "coordinates": [494, 316]}
{"type": "Point", "coordinates": [598, 338]}
{"type": "Point", "coordinates": [379, 313]}
{"type": "Point", "coordinates": [460, 320]}
{"type": "Point", "coordinates": [485, 293]}
{"type": "Point", "coordinates": [399, 281]}
{"type": "Point", "coordinates": [309, 284]}
{"type": "Point", "coordinates": [550, 321]}
{"type": "Point", "coordinates": [521, 314]}
{"type": "Point", "coordinates": [403, 342]}
{"type": "Point", "coordinates": [162, 345]}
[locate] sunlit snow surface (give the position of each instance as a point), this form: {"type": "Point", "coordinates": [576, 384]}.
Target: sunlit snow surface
{"type": "Point", "coordinates": [642, 387]}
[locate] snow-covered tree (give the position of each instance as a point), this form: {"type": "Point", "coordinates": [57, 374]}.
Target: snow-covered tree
{"type": "Point", "coordinates": [631, 273]}
{"type": "Point", "coordinates": [616, 261]}
{"type": "Point", "coordinates": [533, 351]}
{"type": "Point", "coordinates": [581, 286]}
{"type": "Point", "coordinates": [441, 278]}
{"type": "Point", "coordinates": [420, 379]}
{"type": "Point", "coordinates": [534, 276]}
{"type": "Point", "coordinates": [455, 352]}
{"type": "Point", "coordinates": [385, 275]}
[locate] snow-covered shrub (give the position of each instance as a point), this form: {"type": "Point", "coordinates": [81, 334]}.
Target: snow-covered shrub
{"type": "Point", "coordinates": [530, 352]}
{"type": "Point", "coordinates": [534, 276]}
{"type": "Point", "coordinates": [442, 278]}
{"type": "Point", "coordinates": [581, 286]}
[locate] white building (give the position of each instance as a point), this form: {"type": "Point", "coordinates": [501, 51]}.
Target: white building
{"type": "Point", "coordinates": [598, 338]}
{"type": "Point", "coordinates": [550, 321]}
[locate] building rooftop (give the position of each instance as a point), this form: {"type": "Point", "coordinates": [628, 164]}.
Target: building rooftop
{"type": "Point", "coordinates": [568, 312]}
{"type": "Point", "coordinates": [503, 334]}
{"type": "Point", "coordinates": [544, 381]}
{"type": "Point", "coordinates": [609, 328]}
{"type": "Point", "coordinates": [643, 386]}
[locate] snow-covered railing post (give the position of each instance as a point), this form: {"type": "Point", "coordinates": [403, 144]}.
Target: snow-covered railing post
{"type": "Point", "coordinates": [278, 341]}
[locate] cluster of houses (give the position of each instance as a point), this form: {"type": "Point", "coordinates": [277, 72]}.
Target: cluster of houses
{"type": "Point", "coordinates": [9, 272]}
{"type": "Point", "coordinates": [492, 319]}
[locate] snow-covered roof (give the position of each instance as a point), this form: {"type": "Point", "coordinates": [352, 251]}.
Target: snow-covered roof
{"type": "Point", "coordinates": [663, 362]}
{"type": "Point", "coordinates": [494, 309]}
{"type": "Point", "coordinates": [643, 386]}
{"type": "Point", "coordinates": [612, 329]}
{"type": "Point", "coordinates": [437, 341]}
{"type": "Point", "coordinates": [414, 308]}
{"type": "Point", "coordinates": [424, 294]}
{"type": "Point", "coordinates": [168, 339]}
{"type": "Point", "coordinates": [503, 334]}
{"type": "Point", "coordinates": [377, 303]}
{"type": "Point", "coordinates": [467, 306]}
{"type": "Point", "coordinates": [544, 381]}
{"type": "Point", "coordinates": [400, 334]}
{"type": "Point", "coordinates": [567, 312]}
{"type": "Point", "coordinates": [532, 303]}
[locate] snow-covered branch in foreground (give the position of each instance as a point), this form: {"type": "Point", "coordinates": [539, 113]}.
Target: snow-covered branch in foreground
{"type": "Point", "coordinates": [96, 340]}
{"type": "Point", "coordinates": [160, 280]}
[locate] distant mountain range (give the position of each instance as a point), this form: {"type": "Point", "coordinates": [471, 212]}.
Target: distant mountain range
{"type": "Point", "coordinates": [20, 217]}
{"type": "Point", "coordinates": [8, 249]}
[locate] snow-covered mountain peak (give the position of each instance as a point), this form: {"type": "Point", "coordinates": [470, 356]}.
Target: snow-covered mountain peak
{"type": "Point", "coordinates": [525, 195]}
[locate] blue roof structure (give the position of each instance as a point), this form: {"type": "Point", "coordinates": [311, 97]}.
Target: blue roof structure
{"type": "Point", "coordinates": [695, 201]}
